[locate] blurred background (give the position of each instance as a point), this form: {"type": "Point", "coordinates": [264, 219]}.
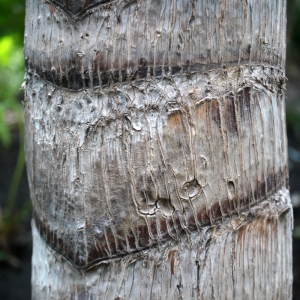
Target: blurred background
{"type": "Point", "coordinates": [15, 211]}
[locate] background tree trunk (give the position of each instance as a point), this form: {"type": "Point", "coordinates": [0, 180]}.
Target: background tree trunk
{"type": "Point", "coordinates": [156, 149]}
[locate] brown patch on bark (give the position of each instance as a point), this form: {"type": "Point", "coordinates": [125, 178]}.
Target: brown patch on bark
{"type": "Point", "coordinates": [171, 225]}
{"type": "Point", "coordinates": [215, 112]}
{"type": "Point", "coordinates": [231, 121]}
{"type": "Point", "coordinates": [258, 226]}
{"type": "Point", "coordinates": [242, 231]}
{"type": "Point", "coordinates": [131, 240]}
{"type": "Point", "coordinates": [52, 9]}
{"type": "Point", "coordinates": [208, 109]}
{"type": "Point", "coordinates": [175, 121]}
{"type": "Point", "coordinates": [244, 102]}
{"type": "Point", "coordinates": [172, 260]}
{"type": "Point", "coordinates": [143, 236]}
{"type": "Point", "coordinates": [153, 227]}
{"type": "Point", "coordinates": [202, 109]}
{"type": "Point", "coordinates": [205, 216]}
{"type": "Point", "coordinates": [163, 230]}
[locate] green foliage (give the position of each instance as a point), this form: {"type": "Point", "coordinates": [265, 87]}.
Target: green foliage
{"type": "Point", "coordinates": [11, 116]}
{"type": "Point", "coordinates": [11, 76]}
{"type": "Point", "coordinates": [12, 16]}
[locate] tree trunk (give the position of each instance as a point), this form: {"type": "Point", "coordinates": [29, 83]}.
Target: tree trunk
{"type": "Point", "coordinates": [156, 149]}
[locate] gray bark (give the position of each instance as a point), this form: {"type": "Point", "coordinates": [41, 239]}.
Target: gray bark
{"type": "Point", "coordinates": [156, 149]}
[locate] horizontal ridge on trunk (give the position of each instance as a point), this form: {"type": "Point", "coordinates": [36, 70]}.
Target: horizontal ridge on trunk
{"type": "Point", "coordinates": [226, 261]}
{"type": "Point", "coordinates": [136, 39]}
{"type": "Point", "coordinates": [187, 180]}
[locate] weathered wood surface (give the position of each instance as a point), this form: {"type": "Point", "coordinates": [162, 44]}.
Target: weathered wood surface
{"type": "Point", "coordinates": [246, 257]}
{"type": "Point", "coordinates": [149, 123]}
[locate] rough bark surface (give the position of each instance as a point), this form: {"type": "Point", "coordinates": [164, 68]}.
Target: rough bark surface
{"type": "Point", "coordinates": [243, 257]}
{"type": "Point", "coordinates": [156, 149]}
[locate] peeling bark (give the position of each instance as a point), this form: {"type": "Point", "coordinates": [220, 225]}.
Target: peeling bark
{"type": "Point", "coordinates": [156, 149]}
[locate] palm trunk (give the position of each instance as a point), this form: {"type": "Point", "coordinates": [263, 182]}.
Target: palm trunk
{"type": "Point", "coordinates": [156, 149]}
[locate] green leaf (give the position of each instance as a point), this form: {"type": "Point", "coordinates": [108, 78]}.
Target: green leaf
{"type": "Point", "coordinates": [6, 46]}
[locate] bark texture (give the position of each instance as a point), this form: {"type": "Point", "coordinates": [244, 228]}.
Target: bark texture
{"type": "Point", "coordinates": [246, 257]}
{"type": "Point", "coordinates": [156, 149]}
